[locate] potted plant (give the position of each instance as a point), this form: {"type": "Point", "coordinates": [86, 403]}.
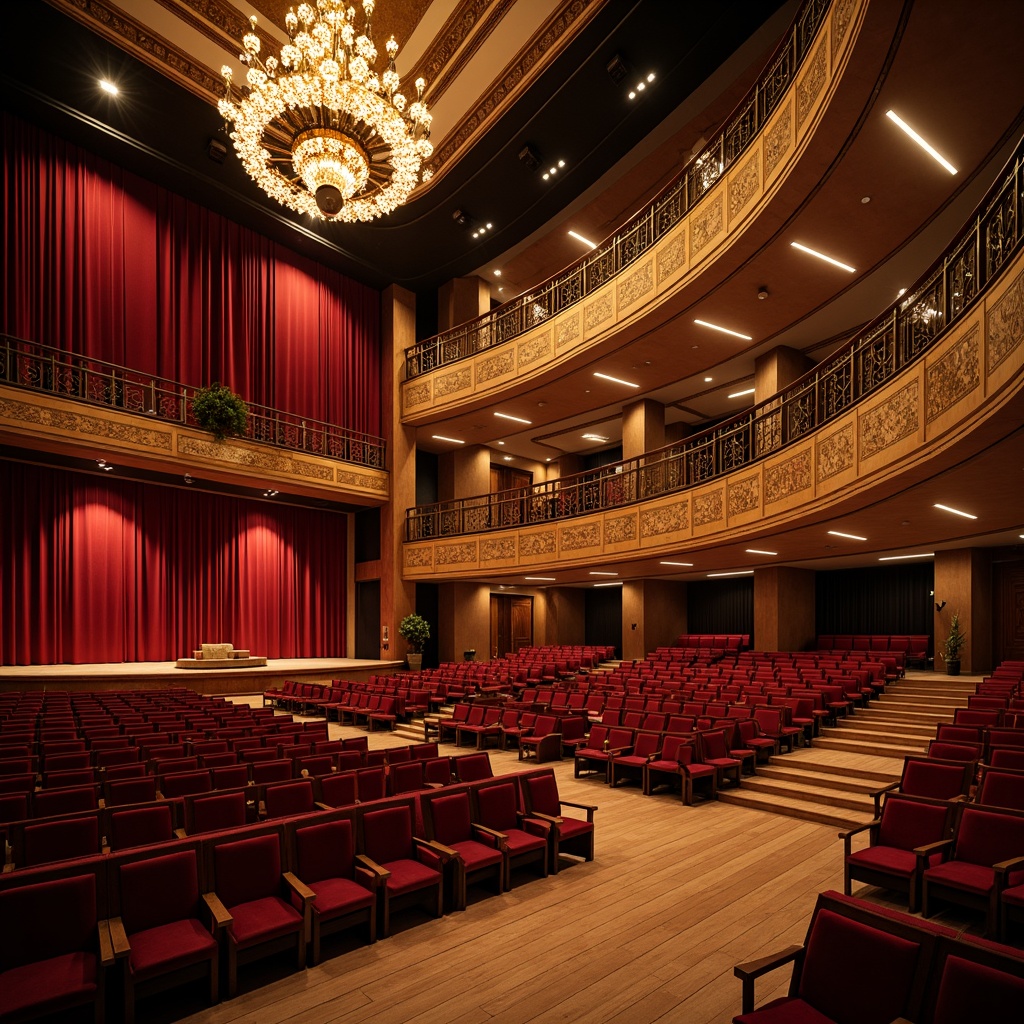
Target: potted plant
{"type": "Point", "coordinates": [953, 645]}
{"type": "Point", "coordinates": [415, 630]}
{"type": "Point", "coordinates": [219, 410]}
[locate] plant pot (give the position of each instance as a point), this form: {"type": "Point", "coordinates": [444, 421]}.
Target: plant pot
{"type": "Point", "coordinates": [953, 667]}
{"type": "Point", "coordinates": [415, 661]}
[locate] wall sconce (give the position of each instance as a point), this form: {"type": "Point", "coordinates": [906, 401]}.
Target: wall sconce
{"type": "Point", "coordinates": [632, 625]}
{"type": "Point", "coordinates": [939, 607]}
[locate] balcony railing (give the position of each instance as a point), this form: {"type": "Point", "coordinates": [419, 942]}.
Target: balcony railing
{"type": "Point", "coordinates": [883, 349]}
{"type": "Point", "coordinates": [630, 242]}
{"type": "Point", "coordinates": [25, 364]}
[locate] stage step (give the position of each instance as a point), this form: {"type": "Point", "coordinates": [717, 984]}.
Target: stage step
{"type": "Point", "coordinates": [806, 810]}
{"type": "Point", "coordinates": [885, 769]}
{"type": "Point", "coordinates": [871, 747]}
{"type": "Point", "coordinates": [873, 724]}
{"type": "Point", "coordinates": [799, 776]}
{"type": "Point", "coordinates": [802, 788]}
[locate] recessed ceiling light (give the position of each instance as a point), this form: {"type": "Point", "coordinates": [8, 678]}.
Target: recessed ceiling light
{"type": "Point", "coordinates": [548, 459]}
{"type": "Point", "coordinates": [708, 380]}
{"type": "Point", "coordinates": [742, 394]}
{"type": "Point", "coordinates": [901, 558]}
{"type": "Point", "coordinates": [594, 437]}
{"type": "Point", "coordinates": [955, 511]}
{"type": "Point", "coordinates": [688, 565]}
{"type": "Point", "coordinates": [927, 147]}
{"type": "Point", "coordinates": [507, 458]}
{"type": "Point", "coordinates": [596, 573]}
{"type": "Point", "coordinates": [539, 579]}
{"type": "Point", "coordinates": [501, 443]}
{"type": "Point", "coordinates": [453, 440]}
{"type": "Point", "coordinates": [848, 536]}
{"type": "Point", "coordinates": [497, 273]}
{"type": "Point", "coordinates": [822, 256]}
{"type": "Point", "coordinates": [754, 551]}
{"type": "Point", "coordinates": [617, 584]}
{"type": "Point", "coordinates": [745, 572]}
{"type": "Point", "coordinates": [585, 241]}
{"type": "Point", "coordinates": [616, 380]}
{"type": "Point", "coordinates": [109, 87]}
{"type": "Point", "coordinates": [514, 419]}
{"type": "Point", "coordinates": [724, 330]}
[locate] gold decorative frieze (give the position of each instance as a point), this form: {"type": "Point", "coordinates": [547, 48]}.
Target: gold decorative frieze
{"type": "Point", "coordinates": [787, 478]}
{"type": "Point", "coordinates": [633, 287]}
{"type": "Point", "coordinates": [744, 495]}
{"type": "Point", "coordinates": [835, 453]}
{"type": "Point", "coordinates": [1005, 324]}
{"type": "Point", "coordinates": [777, 139]}
{"type": "Point", "coordinates": [419, 558]}
{"type": "Point", "coordinates": [743, 185]}
{"type": "Point", "coordinates": [567, 331]}
{"type": "Point", "coordinates": [573, 538]}
{"type": "Point", "coordinates": [707, 508]}
{"type": "Point", "coordinates": [598, 312]}
{"type": "Point", "coordinates": [665, 519]}
{"type": "Point", "coordinates": [808, 89]}
{"type": "Point", "coordinates": [890, 421]}
{"type": "Point", "coordinates": [706, 225]}
{"type": "Point", "coordinates": [534, 349]}
{"type": "Point", "coordinates": [954, 376]}
{"type": "Point", "coordinates": [451, 383]}
{"type": "Point", "coordinates": [842, 15]}
{"type": "Point", "coordinates": [533, 544]}
{"type": "Point", "coordinates": [219, 452]}
{"type": "Point", "coordinates": [417, 394]}
{"type": "Point", "coordinates": [83, 423]}
{"type": "Point", "coordinates": [495, 366]}
{"type": "Point", "coordinates": [455, 554]}
{"type": "Point", "coordinates": [497, 549]}
{"type": "Point", "coordinates": [312, 470]}
{"type": "Point", "coordinates": [672, 256]}
{"type": "Point", "coordinates": [374, 481]}
{"type": "Point", "coordinates": [620, 529]}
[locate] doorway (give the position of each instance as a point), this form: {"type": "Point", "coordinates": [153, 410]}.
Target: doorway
{"type": "Point", "coordinates": [511, 624]}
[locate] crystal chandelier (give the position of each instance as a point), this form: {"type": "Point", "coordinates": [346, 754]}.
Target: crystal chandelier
{"type": "Point", "coordinates": [319, 130]}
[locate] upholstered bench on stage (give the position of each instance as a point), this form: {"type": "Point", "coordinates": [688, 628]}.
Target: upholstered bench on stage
{"type": "Point", "coordinates": [220, 656]}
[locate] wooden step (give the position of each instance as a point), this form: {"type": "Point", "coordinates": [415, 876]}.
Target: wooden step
{"type": "Point", "coordinates": [822, 813]}
{"type": "Point", "coordinates": [805, 761]}
{"type": "Point", "coordinates": [808, 791]}
{"type": "Point", "coordinates": [912, 700]}
{"type": "Point", "coordinates": [875, 748]}
{"type": "Point", "coordinates": [865, 723]}
{"type": "Point", "coordinates": [797, 775]}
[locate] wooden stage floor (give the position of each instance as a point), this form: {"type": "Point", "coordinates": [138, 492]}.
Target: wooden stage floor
{"type": "Point", "coordinates": [148, 675]}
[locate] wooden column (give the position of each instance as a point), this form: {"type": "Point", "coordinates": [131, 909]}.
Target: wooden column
{"type": "Point", "coordinates": [643, 428]}
{"type": "Point", "coordinates": [461, 300]}
{"type": "Point", "coordinates": [653, 615]}
{"type": "Point", "coordinates": [784, 611]}
{"type": "Point", "coordinates": [963, 580]}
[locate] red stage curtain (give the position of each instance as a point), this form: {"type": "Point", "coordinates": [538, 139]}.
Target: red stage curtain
{"type": "Point", "coordinates": [101, 262]}
{"type": "Point", "coordinates": [94, 569]}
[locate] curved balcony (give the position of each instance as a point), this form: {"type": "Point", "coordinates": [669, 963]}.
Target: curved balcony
{"type": "Point", "coordinates": [945, 357]}
{"type": "Point", "coordinates": [639, 269]}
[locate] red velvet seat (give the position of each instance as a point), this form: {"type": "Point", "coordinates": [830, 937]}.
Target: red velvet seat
{"type": "Point", "coordinates": [623, 767]}
{"type": "Point", "coordinates": [477, 855]}
{"type": "Point", "coordinates": [901, 845]}
{"type": "Point", "coordinates": [61, 839]}
{"type": "Point", "coordinates": [140, 826]}
{"type": "Point", "coordinates": [213, 812]}
{"type": "Point", "coordinates": [1000, 788]}
{"type": "Point", "coordinates": [52, 949]}
{"type": "Point", "coordinates": [251, 905]}
{"type": "Point", "coordinates": [574, 836]}
{"type": "Point", "coordinates": [603, 744]}
{"type": "Point", "coordinates": [288, 798]}
{"type": "Point", "coordinates": [525, 841]}
{"type": "Point", "coordinates": [678, 760]}
{"type": "Point", "coordinates": [970, 991]}
{"type": "Point", "coordinates": [930, 777]}
{"type": "Point", "coordinates": [345, 894]}
{"type": "Point", "coordinates": [472, 767]}
{"type": "Point", "coordinates": [985, 838]}
{"type": "Point", "coordinates": [163, 929]}
{"type": "Point", "coordinates": [405, 866]}
{"type": "Point", "coordinates": [118, 792]}
{"type": "Point", "coordinates": [713, 750]}
{"type": "Point", "coordinates": [542, 742]}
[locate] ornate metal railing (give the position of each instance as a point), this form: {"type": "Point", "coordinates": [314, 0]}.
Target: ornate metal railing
{"type": "Point", "coordinates": [630, 242]}
{"type": "Point", "coordinates": [880, 351]}
{"type": "Point", "coordinates": [25, 364]}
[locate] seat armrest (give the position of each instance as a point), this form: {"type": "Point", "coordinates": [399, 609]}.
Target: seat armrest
{"type": "Point", "coordinates": [589, 808]}
{"type": "Point", "coordinates": [180, 833]}
{"type": "Point", "coordinates": [299, 887]}
{"type": "Point", "coordinates": [943, 846]}
{"type": "Point", "coordinates": [221, 917]}
{"type": "Point", "coordinates": [106, 945]}
{"type": "Point", "coordinates": [500, 839]}
{"type": "Point", "coordinates": [439, 850]}
{"type": "Point", "coordinates": [751, 970]}
{"type": "Point", "coordinates": [380, 873]}
{"type": "Point", "coordinates": [118, 937]}
{"type": "Point", "coordinates": [545, 818]}
{"type": "Point", "coordinates": [322, 807]}
{"type": "Point", "coordinates": [847, 836]}
{"type": "Point", "coordinates": [1003, 868]}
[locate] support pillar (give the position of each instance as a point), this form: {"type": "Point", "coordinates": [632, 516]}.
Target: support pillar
{"type": "Point", "coordinates": [653, 615]}
{"type": "Point", "coordinates": [963, 580]}
{"type": "Point", "coordinates": [784, 609]}
{"type": "Point", "coordinates": [643, 428]}
{"type": "Point", "coordinates": [461, 300]}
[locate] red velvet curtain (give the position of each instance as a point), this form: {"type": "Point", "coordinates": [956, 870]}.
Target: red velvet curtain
{"type": "Point", "coordinates": [101, 262]}
{"type": "Point", "coordinates": [94, 569]}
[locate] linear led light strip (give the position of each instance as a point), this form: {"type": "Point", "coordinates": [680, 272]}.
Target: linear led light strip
{"type": "Point", "coordinates": [822, 256]}
{"type": "Point", "coordinates": [744, 572]}
{"type": "Point", "coordinates": [900, 558]}
{"type": "Point", "coordinates": [514, 419]}
{"type": "Point", "coordinates": [927, 147]}
{"type": "Point", "coordinates": [723, 330]}
{"type": "Point", "coordinates": [847, 536]}
{"type": "Point", "coordinates": [955, 511]}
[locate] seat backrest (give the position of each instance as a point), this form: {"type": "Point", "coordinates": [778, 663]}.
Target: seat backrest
{"type": "Point", "coordinates": [497, 805]}
{"type": "Point", "coordinates": [985, 836]}
{"type": "Point", "coordinates": [908, 822]}
{"type": "Point", "coordinates": [387, 833]}
{"type": "Point", "coordinates": [969, 991]}
{"type": "Point", "coordinates": [545, 725]}
{"type": "Point", "coordinates": [938, 779]}
{"type": "Point", "coordinates": [288, 798]}
{"type": "Point", "coordinates": [326, 850]}
{"type": "Point", "coordinates": [371, 783]}
{"type": "Point", "coordinates": [35, 908]}
{"type": "Point", "coordinates": [473, 767]}
{"type": "Point", "coordinates": [712, 742]}
{"type": "Point", "coordinates": [64, 801]}
{"type": "Point", "coordinates": [618, 738]}
{"type": "Point", "coordinates": [211, 812]}
{"type": "Point", "coordinates": [247, 869]}
{"type": "Point", "coordinates": [449, 817]}
{"type": "Point", "coordinates": [835, 940]}
{"type": "Point", "coordinates": [60, 840]}
{"type": "Point", "coordinates": [647, 743]}
{"type": "Point", "coordinates": [278, 770]}
{"type": "Point", "coordinates": [540, 794]}
{"type": "Point", "coordinates": [155, 891]}
{"type": "Point", "coordinates": [339, 790]}
{"type": "Point", "coordinates": [406, 777]}
{"type": "Point", "coordinates": [141, 826]}
{"type": "Point", "coordinates": [1001, 789]}
{"type": "Point", "coordinates": [129, 791]}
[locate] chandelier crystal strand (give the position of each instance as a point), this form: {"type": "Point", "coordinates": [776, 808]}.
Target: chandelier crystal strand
{"type": "Point", "coordinates": [319, 129]}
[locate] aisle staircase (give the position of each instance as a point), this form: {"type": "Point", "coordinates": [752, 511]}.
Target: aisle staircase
{"type": "Point", "coordinates": [831, 781]}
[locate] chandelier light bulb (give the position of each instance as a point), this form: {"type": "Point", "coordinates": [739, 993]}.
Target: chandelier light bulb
{"type": "Point", "coordinates": [321, 130]}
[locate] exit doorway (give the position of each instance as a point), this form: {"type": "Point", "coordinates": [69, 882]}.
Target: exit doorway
{"type": "Point", "coordinates": [511, 624]}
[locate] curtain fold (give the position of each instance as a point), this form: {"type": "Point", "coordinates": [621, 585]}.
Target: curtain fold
{"type": "Point", "coordinates": [95, 569]}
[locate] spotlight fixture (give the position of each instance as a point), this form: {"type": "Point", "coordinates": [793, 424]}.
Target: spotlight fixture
{"type": "Point", "coordinates": [108, 87]}
{"type": "Point", "coordinates": [939, 605]}
{"type": "Point", "coordinates": [216, 150]}
{"type": "Point", "coordinates": [617, 68]}
{"type": "Point", "coordinates": [353, 151]}
{"type": "Point", "coordinates": [460, 217]}
{"type": "Point", "coordinates": [762, 293]}
{"type": "Point", "coordinates": [529, 157]}
{"type": "Point", "coordinates": [104, 465]}
{"type": "Point", "coordinates": [271, 493]}
{"type": "Point", "coordinates": [188, 478]}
